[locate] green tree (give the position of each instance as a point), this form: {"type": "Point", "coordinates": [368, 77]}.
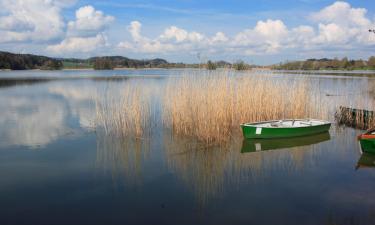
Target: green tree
{"type": "Point", "coordinates": [371, 62]}
{"type": "Point", "coordinates": [211, 65]}
{"type": "Point", "coordinates": [359, 64]}
{"type": "Point", "coordinates": [344, 63]}
{"type": "Point", "coordinates": [103, 64]}
{"type": "Point", "coordinates": [52, 65]}
{"type": "Point", "coordinates": [240, 65]}
{"type": "Point", "coordinates": [308, 65]}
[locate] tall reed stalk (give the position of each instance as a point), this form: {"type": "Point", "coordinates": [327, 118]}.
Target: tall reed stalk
{"type": "Point", "coordinates": [211, 107]}
{"type": "Point", "coordinates": [127, 113]}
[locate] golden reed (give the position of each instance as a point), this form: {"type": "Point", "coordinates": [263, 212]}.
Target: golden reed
{"type": "Point", "coordinates": [211, 107]}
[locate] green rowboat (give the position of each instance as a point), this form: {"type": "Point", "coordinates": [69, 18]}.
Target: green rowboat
{"type": "Point", "coordinates": [284, 128]}
{"type": "Point", "coordinates": [367, 145]}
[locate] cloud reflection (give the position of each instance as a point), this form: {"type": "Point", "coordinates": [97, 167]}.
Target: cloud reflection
{"type": "Point", "coordinates": [36, 115]}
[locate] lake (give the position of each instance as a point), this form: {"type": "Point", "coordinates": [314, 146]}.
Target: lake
{"type": "Point", "coordinates": [56, 167]}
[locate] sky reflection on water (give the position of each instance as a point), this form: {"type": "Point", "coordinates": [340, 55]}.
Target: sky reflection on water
{"type": "Point", "coordinates": [57, 168]}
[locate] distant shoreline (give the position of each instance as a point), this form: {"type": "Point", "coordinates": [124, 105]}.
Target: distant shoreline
{"type": "Point", "coordinates": [323, 72]}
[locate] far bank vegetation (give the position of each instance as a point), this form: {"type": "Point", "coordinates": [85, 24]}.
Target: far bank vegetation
{"type": "Point", "coordinates": [329, 64]}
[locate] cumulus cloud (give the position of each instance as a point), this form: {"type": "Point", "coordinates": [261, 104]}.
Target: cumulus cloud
{"type": "Point", "coordinates": [338, 25]}
{"type": "Point", "coordinates": [341, 24]}
{"type": "Point", "coordinates": [173, 39]}
{"type": "Point", "coordinates": [334, 27]}
{"type": "Point", "coordinates": [31, 20]}
{"type": "Point", "coordinates": [88, 22]}
{"type": "Point", "coordinates": [219, 38]}
{"type": "Point", "coordinates": [267, 36]}
{"type": "Point", "coordinates": [79, 44]}
{"type": "Point", "coordinates": [135, 31]}
{"type": "Point", "coordinates": [343, 14]}
{"type": "Point", "coordinates": [85, 33]}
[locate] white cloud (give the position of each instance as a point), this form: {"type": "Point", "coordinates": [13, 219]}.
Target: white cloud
{"type": "Point", "coordinates": [86, 33]}
{"type": "Point", "coordinates": [267, 36]}
{"type": "Point", "coordinates": [79, 44]}
{"type": "Point", "coordinates": [173, 39]}
{"type": "Point", "coordinates": [341, 24]}
{"type": "Point", "coordinates": [40, 22]}
{"type": "Point", "coordinates": [135, 31]}
{"type": "Point", "coordinates": [31, 20]}
{"type": "Point", "coordinates": [343, 14]}
{"type": "Point", "coordinates": [338, 26]}
{"type": "Point", "coordinates": [180, 35]}
{"type": "Point", "coordinates": [219, 37]}
{"type": "Point", "coordinates": [332, 33]}
{"type": "Point", "coordinates": [88, 22]}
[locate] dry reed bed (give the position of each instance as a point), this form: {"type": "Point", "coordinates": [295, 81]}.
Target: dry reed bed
{"type": "Point", "coordinates": [211, 107]}
{"type": "Point", "coordinates": [123, 126]}
{"type": "Point", "coordinates": [363, 117]}
{"type": "Point", "coordinates": [127, 113]}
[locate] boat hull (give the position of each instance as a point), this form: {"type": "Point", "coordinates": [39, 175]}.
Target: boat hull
{"type": "Point", "coordinates": [282, 132]}
{"type": "Point", "coordinates": [368, 145]}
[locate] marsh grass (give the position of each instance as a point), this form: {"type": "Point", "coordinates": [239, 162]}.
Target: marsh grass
{"type": "Point", "coordinates": [126, 113]}
{"type": "Point", "coordinates": [211, 107]}
{"type": "Point", "coordinates": [124, 122]}
{"type": "Point", "coordinates": [363, 117]}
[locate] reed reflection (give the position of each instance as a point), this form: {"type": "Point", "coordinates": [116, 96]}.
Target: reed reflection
{"type": "Point", "coordinates": [211, 171]}
{"type": "Point", "coordinates": [122, 157]}
{"type": "Point", "coordinates": [124, 124]}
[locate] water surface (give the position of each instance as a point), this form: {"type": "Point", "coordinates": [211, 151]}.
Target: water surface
{"type": "Point", "coordinates": [57, 168]}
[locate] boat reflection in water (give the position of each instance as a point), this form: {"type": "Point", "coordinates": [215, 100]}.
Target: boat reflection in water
{"type": "Point", "coordinates": [367, 160]}
{"type": "Point", "coordinates": [254, 145]}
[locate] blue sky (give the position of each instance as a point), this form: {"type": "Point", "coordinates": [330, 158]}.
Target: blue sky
{"type": "Point", "coordinates": [261, 32]}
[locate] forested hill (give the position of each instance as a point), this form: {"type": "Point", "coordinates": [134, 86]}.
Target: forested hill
{"type": "Point", "coordinates": [124, 62]}
{"type": "Point", "coordinates": [27, 61]}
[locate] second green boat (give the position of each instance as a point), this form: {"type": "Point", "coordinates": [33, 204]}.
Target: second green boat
{"type": "Point", "coordinates": [284, 128]}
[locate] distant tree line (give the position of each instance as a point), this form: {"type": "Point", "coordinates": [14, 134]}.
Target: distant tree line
{"type": "Point", "coordinates": [110, 62]}
{"type": "Point", "coordinates": [238, 65]}
{"type": "Point", "coordinates": [26, 61]}
{"type": "Point", "coordinates": [328, 64]}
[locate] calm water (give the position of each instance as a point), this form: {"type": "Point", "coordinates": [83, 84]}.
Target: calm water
{"type": "Point", "coordinates": [56, 168]}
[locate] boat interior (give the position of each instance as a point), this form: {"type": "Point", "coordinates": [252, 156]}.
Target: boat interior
{"type": "Point", "coordinates": [289, 123]}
